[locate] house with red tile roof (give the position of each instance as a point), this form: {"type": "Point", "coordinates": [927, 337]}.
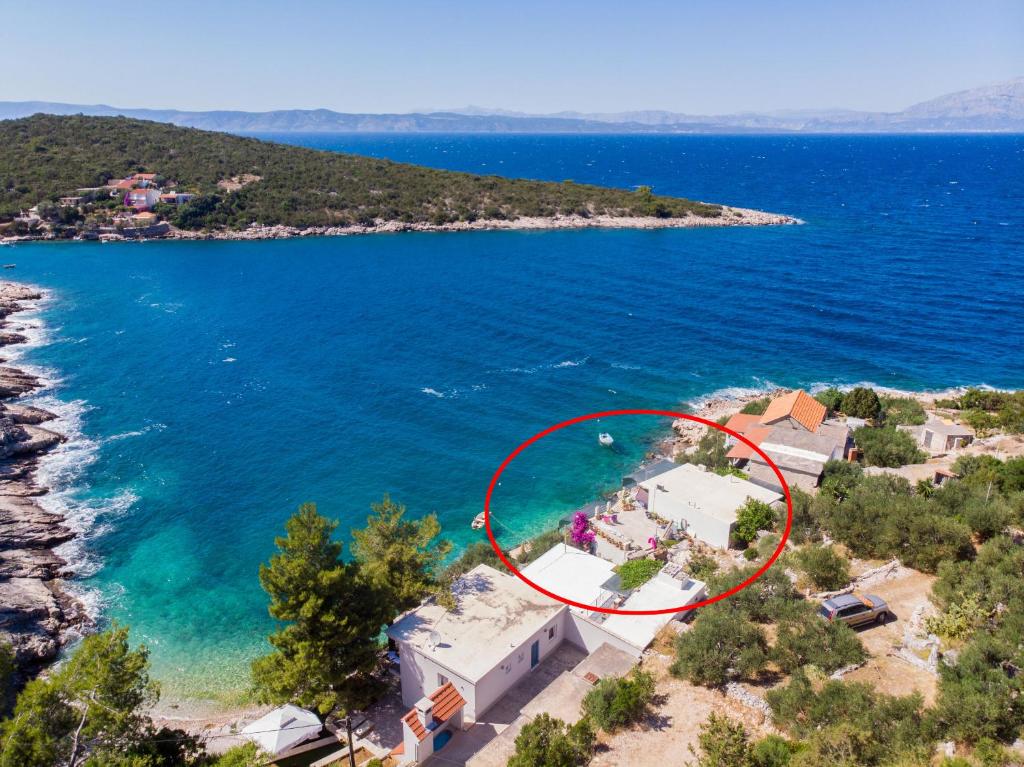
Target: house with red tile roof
{"type": "Point", "coordinates": [796, 410]}
{"type": "Point", "coordinates": [793, 432]}
{"type": "Point", "coordinates": [429, 724]}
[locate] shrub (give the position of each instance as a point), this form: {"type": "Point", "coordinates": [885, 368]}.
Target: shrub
{"type": "Point", "coordinates": [637, 572]}
{"type": "Point", "coordinates": [756, 406]}
{"type": "Point", "coordinates": [902, 410]}
{"type": "Point", "coordinates": [722, 645]}
{"type": "Point", "coordinates": [763, 600]}
{"type": "Point", "coordinates": [887, 446]}
{"type": "Point", "coordinates": [752, 517]}
{"type": "Point", "coordinates": [541, 544]}
{"type": "Point", "coordinates": [750, 554]}
{"type": "Point", "coordinates": [840, 477]}
{"type": "Point", "coordinates": [987, 518]}
{"type": "Point", "coordinates": [723, 743]}
{"type": "Point", "coordinates": [831, 398]}
{"type": "Point", "coordinates": [617, 702]}
{"type": "Point", "coordinates": [805, 639]}
{"type": "Point", "coordinates": [837, 711]}
{"type": "Point", "coordinates": [710, 451]}
{"type": "Point", "coordinates": [862, 402]}
{"type": "Point", "coordinates": [771, 751]}
{"type": "Point", "coordinates": [981, 421]}
{"type": "Point", "coordinates": [580, 531]}
{"type": "Point", "coordinates": [960, 620]}
{"type": "Point", "coordinates": [823, 566]}
{"type": "Point", "coordinates": [701, 566]}
{"type": "Point", "coordinates": [806, 526]}
{"type": "Point", "coordinates": [981, 696]}
{"type": "Point", "coordinates": [549, 742]}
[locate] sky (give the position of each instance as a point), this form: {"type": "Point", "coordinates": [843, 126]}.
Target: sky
{"type": "Point", "coordinates": [694, 56]}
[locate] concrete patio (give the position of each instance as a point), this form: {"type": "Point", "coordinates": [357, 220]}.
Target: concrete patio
{"type": "Point", "coordinates": [557, 686]}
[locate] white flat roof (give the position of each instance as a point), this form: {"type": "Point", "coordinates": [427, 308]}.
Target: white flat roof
{"type": "Point", "coordinates": [495, 613]}
{"type": "Point", "coordinates": [707, 492]}
{"type": "Point", "coordinates": [571, 573]}
{"type": "Point", "coordinates": [657, 594]}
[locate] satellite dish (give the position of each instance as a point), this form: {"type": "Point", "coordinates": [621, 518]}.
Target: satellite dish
{"type": "Point", "coordinates": [434, 640]}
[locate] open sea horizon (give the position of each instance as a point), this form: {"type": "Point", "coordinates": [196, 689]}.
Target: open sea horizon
{"type": "Point", "coordinates": [209, 388]}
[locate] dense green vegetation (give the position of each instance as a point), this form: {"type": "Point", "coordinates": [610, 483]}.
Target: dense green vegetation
{"type": "Point", "coordinates": [45, 157]}
{"type": "Point", "coordinates": [636, 572]}
{"type": "Point", "coordinates": [986, 410]}
{"type": "Point", "coordinates": [90, 712]}
{"type": "Point", "coordinates": [617, 702]}
{"type": "Point", "coordinates": [728, 641]}
{"type": "Point", "coordinates": [751, 518]}
{"type": "Point", "coordinates": [824, 567]}
{"type": "Point", "coordinates": [887, 446]}
{"type": "Point", "coordinates": [549, 742]}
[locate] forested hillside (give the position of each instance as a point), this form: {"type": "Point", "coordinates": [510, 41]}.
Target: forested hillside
{"type": "Point", "coordinates": [45, 157]}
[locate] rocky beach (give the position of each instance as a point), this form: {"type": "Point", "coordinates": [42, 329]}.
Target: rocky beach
{"type": "Point", "coordinates": [36, 613]}
{"type": "Point", "coordinates": [731, 216]}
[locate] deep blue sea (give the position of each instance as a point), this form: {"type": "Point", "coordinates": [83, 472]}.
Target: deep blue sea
{"type": "Point", "coordinates": [212, 387]}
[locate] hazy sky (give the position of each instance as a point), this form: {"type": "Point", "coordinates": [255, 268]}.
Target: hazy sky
{"type": "Point", "coordinates": [382, 55]}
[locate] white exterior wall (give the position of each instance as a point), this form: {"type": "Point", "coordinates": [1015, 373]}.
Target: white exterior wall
{"type": "Point", "coordinates": [419, 674]}
{"type": "Point", "coordinates": [583, 633]}
{"type": "Point", "coordinates": [496, 682]}
{"type": "Point", "coordinates": [707, 528]}
{"type": "Point", "coordinates": [419, 671]}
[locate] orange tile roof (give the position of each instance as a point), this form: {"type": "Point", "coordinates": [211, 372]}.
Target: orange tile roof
{"type": "Point", "coordinates": [397, 750]}
{"type": "Point", "coordinates": [447, 702]}
{"type": "Point", "coordinates": [147, 176]}
{"type": "Point", "coordinates": [743, 422]}
{"type": "Point", "coordinates": [798, 405]}
{"type": "Point", "coordinates": [743, 450]}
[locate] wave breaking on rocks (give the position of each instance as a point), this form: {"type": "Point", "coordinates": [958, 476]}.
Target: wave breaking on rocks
{"type": "Point", "coordinates": [37, 614]}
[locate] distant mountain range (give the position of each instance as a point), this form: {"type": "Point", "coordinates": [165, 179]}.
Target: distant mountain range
{"type": "Point", "coordinates": [991, 108]}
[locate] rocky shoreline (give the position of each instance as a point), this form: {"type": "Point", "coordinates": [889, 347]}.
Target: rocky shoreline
{"type": "Point", "coordinates": [730, 217]}
{"type": "Point", "coordinates": [36, 613]}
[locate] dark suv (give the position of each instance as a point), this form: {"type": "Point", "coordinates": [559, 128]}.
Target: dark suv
{"type": "Point", "coordinates": [855, 609]}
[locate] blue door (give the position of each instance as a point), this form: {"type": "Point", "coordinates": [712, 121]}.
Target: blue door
{"type": "Point", "coordinates": [535, 653]}
{"type": "Point", "coordinates": [441, 739]}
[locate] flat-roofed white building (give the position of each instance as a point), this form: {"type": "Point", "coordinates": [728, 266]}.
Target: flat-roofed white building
{"type": "Point", "coordinates": [701, 503]}
{"type": "Point", "coordinates": [501, 628]}
{"type": "Point", "coordinates": [585, 578]}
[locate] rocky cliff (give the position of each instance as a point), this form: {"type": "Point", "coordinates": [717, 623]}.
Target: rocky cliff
{"type": "Point", "coordinates": [35, 611]}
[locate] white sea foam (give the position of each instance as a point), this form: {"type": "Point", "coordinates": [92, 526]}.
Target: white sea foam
{"type": "Point", "coordinates": [63, 469]}
{"type": "Point", "coordinates": [432, 392]}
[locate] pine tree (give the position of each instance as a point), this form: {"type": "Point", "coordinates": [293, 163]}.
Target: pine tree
{"type": "Point", "coordinates": [399, 558]}
{"type": "Point", "coordinates": [323, 654]}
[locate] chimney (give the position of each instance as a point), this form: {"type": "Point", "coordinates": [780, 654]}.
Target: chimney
{"type": "Point", "coordinates": [425, 711]}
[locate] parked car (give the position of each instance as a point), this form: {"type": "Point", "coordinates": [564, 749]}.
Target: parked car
{"type": "Point", "coordinates": [855, 609]}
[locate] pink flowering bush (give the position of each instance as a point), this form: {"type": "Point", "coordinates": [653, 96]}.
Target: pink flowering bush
{"type": "Point", "coordinates": [581, 533]}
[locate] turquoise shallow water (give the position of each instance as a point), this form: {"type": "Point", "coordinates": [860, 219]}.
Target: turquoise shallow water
{"type": "Point", "coordinates": [212, 387]}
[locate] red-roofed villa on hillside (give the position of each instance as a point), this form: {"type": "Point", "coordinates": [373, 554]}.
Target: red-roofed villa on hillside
{"type": "Point", "coordinates": [795, 435]}
{"type": "Point", "coordinates": [429, 725]}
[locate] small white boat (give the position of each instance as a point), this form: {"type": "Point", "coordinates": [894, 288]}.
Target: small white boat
{"type": "Point", "coordinates": [478, 521]}
{"type": "Point", "coordinates": [605, 439]}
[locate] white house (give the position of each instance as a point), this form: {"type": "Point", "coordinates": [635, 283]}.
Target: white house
{"type": "Point", "coordinates": [701, 503]}
{"type": "Point", "coordinates": [501, 628]}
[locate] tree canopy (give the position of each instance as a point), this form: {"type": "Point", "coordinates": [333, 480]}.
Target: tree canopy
{"type": "Point", "coordinates": [44, 157]}
{"type": "Point", "coordinates": [331, 619]}
{"type": "Point", "coordinates": [399, 558]}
